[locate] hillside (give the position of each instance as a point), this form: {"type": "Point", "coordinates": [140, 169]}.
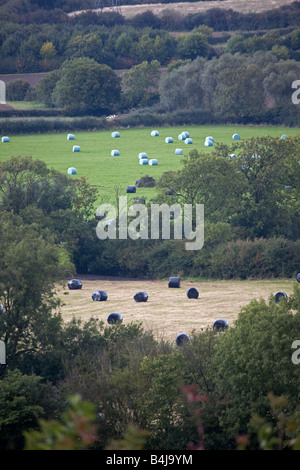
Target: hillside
{"type": "Point", "coordinates": [185, 8]}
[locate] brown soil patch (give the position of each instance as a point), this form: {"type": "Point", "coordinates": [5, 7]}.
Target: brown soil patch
{"type": "Point", "coordinates": [168, 311]}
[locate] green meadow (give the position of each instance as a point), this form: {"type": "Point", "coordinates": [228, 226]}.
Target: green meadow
{"type": "Point", "coordinates": [106, 172]}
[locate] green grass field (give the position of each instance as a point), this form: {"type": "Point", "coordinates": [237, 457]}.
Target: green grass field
{"type": "Point", "coordinates": [94, 161]}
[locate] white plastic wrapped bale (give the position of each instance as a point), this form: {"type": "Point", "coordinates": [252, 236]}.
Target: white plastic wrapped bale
{"type": "Point", "coordinates": [70, 137]}
{"type": "Point", "coordinates": [72, 171]}
{"type": "Point", "coordinates": [153, 162]}
{"type": "Point", "coordinates": [76, 148]}
{"type": "Point", "coordinates": [236, 137]}
{"type": "Point", "coordinates": [115, 134]}
{"type": "Point", "coordinates": [5, 139]}
{"type": "Point", "coordinates": [154, 133]}
{"type": "Point", "coordinates": [169, 140]}
{"type": "Point", "coordinates": [188, 140]}
{"type": "Point", "coordinates": [284, 136]}
{"type": "Point", "coordinates": [178, 152]}
{"type": "Point", "coordinates": [208, 143]}
{"type": "Point", "coordinates": [182, 136]}
{"type": "Point", "coordinates": [143, 155]}
{"type": "Point", "coordinates": [143, 161]}
{"type": "Point", "coordinates": [114, 153]}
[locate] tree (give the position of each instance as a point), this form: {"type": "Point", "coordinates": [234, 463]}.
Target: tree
{"type": "Point", "coordinates": [90, 46]}
{"type": "Point", "coordinates": [139, 83]}
{"type": "Point", "coordinates": [239, 92]}
{"type": "Point", "coordinates": [21, 399]}
{"type": "Point", "coordinates": [86, 86]}
{"type": "Point", "coordinates": [254, 358]}
{"type": "Point", "coordinates": [48, 50]}
{"type": "Point", "coordinates": [27, 294]}
{"type": "Point", "coordinates": [193, 45]}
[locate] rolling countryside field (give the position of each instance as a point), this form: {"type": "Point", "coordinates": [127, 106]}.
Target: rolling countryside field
{"type": "Point", "coordinates": [167, 311]}
{"type": "Point", "coordinates": [94, 161]}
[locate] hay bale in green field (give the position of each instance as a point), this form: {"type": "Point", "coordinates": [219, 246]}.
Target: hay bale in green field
{"type": "Point", "coordinates": [115, 134]}
{"type": "Point", "coordinates": [114, 153]}
{"type": "Point", "coordinates": [154, 133]}
{"type": "Point", "coordinates": [169, 140]}
{"type": "Point", "coordinates": [131, 189]}
{"type": "Point", "coordinates": [143, 161]}
{"type": "Point", "coordinates": [70, 137]}
{"type": "Point", "coordinates": [188, 140]}
{"type": "Point", "coordinates": [178, 152]}
{"type": "Point", "coordinates": [5, 139]}
{"type": "Point", "coordinates": [153, 162]}
{"type": "Point", "coordinates": [143, 155]}
{"type": "Point", "coordinates": [72, 171]}
{"type": "Point", "coordinates": [76, 148]}
{"type": "Point", "coordinates": [236, 137]}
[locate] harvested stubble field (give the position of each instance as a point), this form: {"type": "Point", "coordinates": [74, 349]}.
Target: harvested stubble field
{"type": "Point", "coordinates": [168, 311]}
{"type": "Point", "coordinates": [186, 8]}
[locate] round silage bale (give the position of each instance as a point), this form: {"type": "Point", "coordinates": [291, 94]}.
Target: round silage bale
{"type": "Point", "coordinates": [143, 155]}
{"type": "Point", "coordinates": [220, 325]}
{"type": "Point", "coordinates": [115, 134]}
{"type": "Point", "coordinates": [193, 293]}
{"type": "Point", "coordinates": [143, 161]}
{"type": "Point", "coordinates": [154, 133]}
{"type": "Point", "coordinates": [181, 339]}
{"type": "Point", "coordinates": [141, 296]}
{"type": "Point", "coordinates": [5, 139]}
{"type": "Point", "coordinates": [236, 137]}
{"type": "Point", "coordinates": [279, 296]}
{"type": "Point", "coordinates": [76, 148]}
{"type": "Point", "coordinates": [298, 277]}
{"type": "Point", "coordinates": [114, 153]}
{"type": "Point", "coordinates": [178, 152]}
{"type": "Point", "coordinates": [99, 296]}
{"type": "Point", "coordinates": [72, 171]}
{"type": "Point", "coordinates": [70, 137]}
{"type": "Point", "coordinates": [188, 141]}
{"type": "Point", "coordinates": [174, 282]}
{"type": "Point", "coordinates": [169, 140]}
{"type": "Point", "coordinates": [114, 318]}
{"type": "Point", "coordinates": [74, 284]}
{"type": "Point", "coordinates": [153, 162]}
{"type": "Point", "coordinates": [131, 189]}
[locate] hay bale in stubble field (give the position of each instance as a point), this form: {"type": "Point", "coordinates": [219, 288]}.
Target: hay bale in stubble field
{"type": "Point", "coordinates": [99, 296]}
{"type": "Point", "coordinates": [192, 293]}
{"type": "Point", "coordinates": [174, 282]}
{"type": "Point", "coordinates": [141, 296]}
{"type": "Point", "coordinates": [114, 318]}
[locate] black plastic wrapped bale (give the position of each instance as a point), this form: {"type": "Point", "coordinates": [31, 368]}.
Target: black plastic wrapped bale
{"type": "Point", "coordinates": [220, 325]}
{"type": "Point", "coordinates": [174, 282]}
{"type": "Point", "coordinates": [99, 296]}
{"type": "Point", "coordinates": [298, 277]}
{"type": "Point", "coordinates": [182, 339]}
{"type": "Point", "coordinates": [279, 295]}
{"type": "Point", "coordinates": [131, 189]}
{"type": "Point", "coordinates": [114, 318]}
{"type": "Point", "coordinates": [74, 284]}
{"type": "Point", "coordinates": [193, 293]}
{"type": "Point", "coordinates": [141, 296]}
